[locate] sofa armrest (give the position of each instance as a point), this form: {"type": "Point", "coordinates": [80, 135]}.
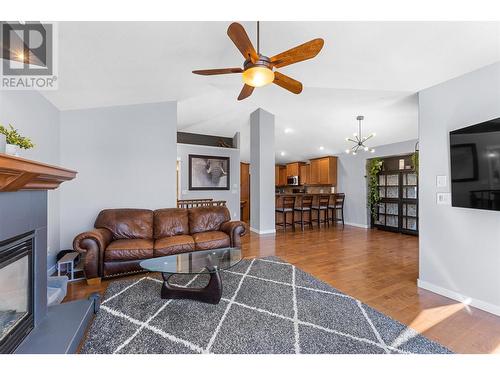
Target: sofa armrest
{"type": "Point", "coordinates": [92, 244]}
{"type": "Point", "coordinates": [235, 230]}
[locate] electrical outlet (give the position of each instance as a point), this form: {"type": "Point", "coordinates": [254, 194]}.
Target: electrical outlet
{"type": "Point", "coordinates": [443, 198]}
{"type": "Point", "coordinates": [441, 181]}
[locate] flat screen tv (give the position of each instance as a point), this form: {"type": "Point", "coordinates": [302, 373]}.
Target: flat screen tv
{"type": "Point", "coordinates": [475, 166]}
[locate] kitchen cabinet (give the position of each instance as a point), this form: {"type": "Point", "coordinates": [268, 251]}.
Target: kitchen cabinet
{"type": "Point", "coordinates": [280, 175]}
{"type": "Point", "coordinates": [293, 169]}
{"type": "Point", "coordinates": [305, 174]}
{"type": "Point", "coordinates": [324, 171]}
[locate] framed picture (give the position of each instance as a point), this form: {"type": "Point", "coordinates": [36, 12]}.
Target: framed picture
{"type": "Point", "coordinates": [464, 162]}
{"type": "Point", "coordinates": [208, 172]}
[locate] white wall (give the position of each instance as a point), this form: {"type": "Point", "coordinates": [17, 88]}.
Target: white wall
{"type": "Point", "coordinates": [459, 248]}
{"type": "Point", "coordinates": [125, 157]}
{"type": "Point", "coordinates": [351, 180]}
{"type": "Point", "coordinates": [232, 196]}
{"type": "Point", "coordinates": [38, 119]}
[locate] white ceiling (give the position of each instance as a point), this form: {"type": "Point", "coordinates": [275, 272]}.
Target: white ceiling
{"type": "Point", "coordinates": [368, 68]}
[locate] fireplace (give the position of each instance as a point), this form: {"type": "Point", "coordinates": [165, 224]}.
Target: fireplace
{"type": "Point", "coordinates": [16, 290]}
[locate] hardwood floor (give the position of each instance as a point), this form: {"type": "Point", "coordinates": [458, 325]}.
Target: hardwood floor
{"type": "Point", "coordinates": [379, 268]}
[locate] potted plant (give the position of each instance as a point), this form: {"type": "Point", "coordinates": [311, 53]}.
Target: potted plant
{"type": "Point", "coordinates": [15, 141]}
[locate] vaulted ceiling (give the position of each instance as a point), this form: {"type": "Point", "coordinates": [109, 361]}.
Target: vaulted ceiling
{"type": "Point", "coordinates": [373, 69]}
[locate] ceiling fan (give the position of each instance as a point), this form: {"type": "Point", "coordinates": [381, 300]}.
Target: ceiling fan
{"type": "Point", "coordinates": [258, 69]}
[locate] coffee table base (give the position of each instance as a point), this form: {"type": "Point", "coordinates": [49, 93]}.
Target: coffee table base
{"type": "Point", "coordinates": [212, 293]}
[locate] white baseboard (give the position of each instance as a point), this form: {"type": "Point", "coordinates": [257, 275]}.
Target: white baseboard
{"type": "Point", "coordinates": [51, 270]}
{"type": "Point", "coordinates": [357, 225]}
{"type": "Point", "coordinates": [482, 305]}
{"type": "Point", "coordinates": [270, 231]}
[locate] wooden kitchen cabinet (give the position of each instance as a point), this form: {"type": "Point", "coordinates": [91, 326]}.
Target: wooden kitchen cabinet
{"type": "Point", "coordinates": [324, 171]}
{"type": "Point", "coordinates": [293, 169]}
{"type": "Point", "coordinates": [280, 175]}
{"type": "Point", "coordinates": [305, 174]}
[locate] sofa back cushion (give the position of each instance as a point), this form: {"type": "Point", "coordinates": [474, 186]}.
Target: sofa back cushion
{"type": "Point", "coordinates": [205, 219]}
{"type": "Point", "coordinates": [170, 222]}
{"type": "Point", "coordinates": [126, 223]}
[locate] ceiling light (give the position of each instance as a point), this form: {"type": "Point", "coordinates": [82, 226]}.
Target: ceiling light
{"type": "Point", "coordinates": [282, 153]}
{"type": "Point", "coordinates": [258, 76]}
{"type": "Point", "coordinates": [321, 148]}
{"type": "Point", "coordinates": [288, 130]}
{"type": "Point", "coordinates": [359, 140]}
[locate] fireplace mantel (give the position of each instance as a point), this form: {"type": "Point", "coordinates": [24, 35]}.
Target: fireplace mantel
{"type": "Point", "coordinates": [23, 174]}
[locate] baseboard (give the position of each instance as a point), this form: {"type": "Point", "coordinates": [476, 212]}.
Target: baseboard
{"type": "Point", "coordinates": [482, 305]}
{"type": "Point", "coordinates": [365, 226]}
{"type": "Point", "coordinates": [270, 231]}
{"type": "Point", "coordinates": [51, 270]}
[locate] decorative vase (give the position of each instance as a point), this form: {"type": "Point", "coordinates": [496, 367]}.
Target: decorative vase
{"type": "Point", "coordinates": [12, 149]}
{"type": "Point", "coordinates": [3, 143]}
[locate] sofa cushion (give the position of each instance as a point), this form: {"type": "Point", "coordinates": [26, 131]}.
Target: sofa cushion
{"type": "Point", "coordinates": [205, 219]}
{"type": "Point", "coordinates": [173, 245]}
{"type": "Point", "coordinates": [210, 240]}
{"type": "Point", "coordinates": [170, 222]}
{"type": "Point", "coordinates": [126, 223]}
{"type": "Point", "coordinates": [129, 250]}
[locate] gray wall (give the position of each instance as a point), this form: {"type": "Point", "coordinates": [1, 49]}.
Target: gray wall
{"type": "Point", "coordinates": [125, 157]}
{"type": "Point", "coordinates": [262, 216]}
{"type": "Point", "coordinates": [459, 248]}
{"type": "Point", "coordinates": [351, 179]}
{"type": "Point", "coordinates": [232, 196]}
{"type": "Point", "coordinates": [37, 118]}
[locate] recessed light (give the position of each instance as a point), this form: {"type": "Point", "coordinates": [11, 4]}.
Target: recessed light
{"type": "Point", "coordinates": [282, 153]}
{"type": "Point", "coordinates": [321, 148]}
{"type": "Point", "coordinates": [288, 130]}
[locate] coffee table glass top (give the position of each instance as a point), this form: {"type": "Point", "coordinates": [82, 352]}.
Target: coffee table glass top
{"type": "Point", "coordinates": [205, 261]}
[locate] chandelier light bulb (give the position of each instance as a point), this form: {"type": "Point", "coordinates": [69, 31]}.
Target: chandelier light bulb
{"type": "Point", "coordinates": [374, 134]}
{"type": "Point", "coordinates": [347, 151]}
{"type": "Point", "coordinates": [372, 150]}
{"type": "Point", "coordinates": [354, 153]}
{"type": "Point", "coordinates": [366, 148]}
{"type": "Point", "coordinates": [354, 134]}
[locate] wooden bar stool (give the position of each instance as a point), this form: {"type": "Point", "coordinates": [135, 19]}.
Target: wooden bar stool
{"type": "Point", "coordinates": [337, 206]}
{"type": "Point", "coordinates": [287, 208]}
{"type": "Point", "coordinates": [305, 206]}
{"type": "Point", "coordinates": [322, 206]}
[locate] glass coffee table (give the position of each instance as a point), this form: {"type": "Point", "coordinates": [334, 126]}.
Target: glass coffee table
{"type": "Point", "coordinates": [197, 262]}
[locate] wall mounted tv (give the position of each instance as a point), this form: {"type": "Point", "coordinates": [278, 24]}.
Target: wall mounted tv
{"type": "Point", "coordinates": [475, 166]}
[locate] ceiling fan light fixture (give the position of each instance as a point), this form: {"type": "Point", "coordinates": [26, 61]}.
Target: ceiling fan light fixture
{"type": "Point", "coordinates": [258, 76]}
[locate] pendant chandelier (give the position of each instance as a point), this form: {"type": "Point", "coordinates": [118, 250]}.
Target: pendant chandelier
{"type": "Point", "coordinates": [359, 140]}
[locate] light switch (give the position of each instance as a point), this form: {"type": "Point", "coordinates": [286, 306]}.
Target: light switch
{"type": "Point", "coordinates": [443, 198]}
{"type": "Point", "coordinates": [441, 181]}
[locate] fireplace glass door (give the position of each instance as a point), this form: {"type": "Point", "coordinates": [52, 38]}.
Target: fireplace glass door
{"type": "Point", "coordinates": [16, 292]}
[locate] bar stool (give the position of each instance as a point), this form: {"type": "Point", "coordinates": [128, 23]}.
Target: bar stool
{"type": "Point", "coordinates": [336, 206]}
{"type": "Point", "coordinates": [305, 206]}
{"type": "Point", "coordinates": [287, 208]}
{"type": "Point", "coordinates": [323, 201]}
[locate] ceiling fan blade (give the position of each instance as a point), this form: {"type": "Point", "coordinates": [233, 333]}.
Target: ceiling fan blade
{"type": "Point", "coordinates": [210, 72]}
{"type": "Point", "coordinates": [287, 83]}
{"type": "Point", "coordinates": [246, 91]}
{"type": "Point", "coordinates": [300, 53]}
{"type": "Point", "coordinates": [240, 38]}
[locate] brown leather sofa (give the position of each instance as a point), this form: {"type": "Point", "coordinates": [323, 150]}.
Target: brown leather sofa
{"type": "Point", "coordinates": [124, 237]}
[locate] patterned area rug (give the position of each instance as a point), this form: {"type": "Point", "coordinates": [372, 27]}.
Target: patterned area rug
{"type": "Point", "coordinates": [267, 306]}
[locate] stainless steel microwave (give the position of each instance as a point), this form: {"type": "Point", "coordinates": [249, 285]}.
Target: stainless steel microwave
{"type": "Point", "coordinates": [292, 180]}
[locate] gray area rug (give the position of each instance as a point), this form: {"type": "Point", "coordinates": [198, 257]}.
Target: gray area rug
{"type": "Point", "coordinates": [267, 306]}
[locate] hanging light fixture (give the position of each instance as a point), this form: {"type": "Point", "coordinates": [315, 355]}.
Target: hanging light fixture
{"type": "Point", "coordinates": [359, 140]}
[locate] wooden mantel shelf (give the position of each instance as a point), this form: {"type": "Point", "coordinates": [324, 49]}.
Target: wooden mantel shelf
{"type": "Point", "coordinates": [23, 174]}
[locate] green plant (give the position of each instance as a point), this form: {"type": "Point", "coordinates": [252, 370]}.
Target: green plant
{"type": "Point", "coordinates": [14, 138]}
{"type": "Point", "coordinates": [414, 161]}
{"type": "Point", "coordinates": [374, 166]}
